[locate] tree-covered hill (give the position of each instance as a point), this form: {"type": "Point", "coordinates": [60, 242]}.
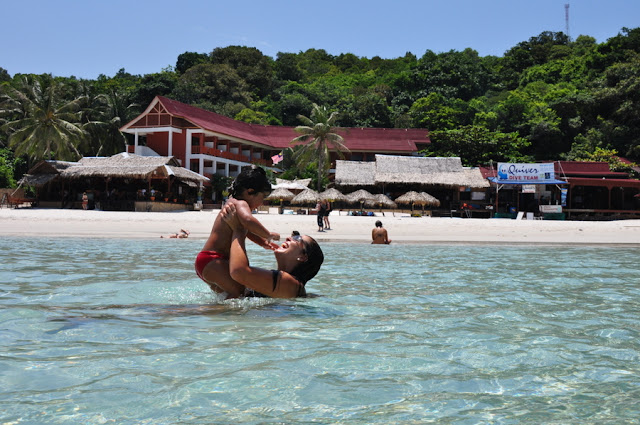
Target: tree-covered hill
{"type": "Point", "coordinates": [546, 98]}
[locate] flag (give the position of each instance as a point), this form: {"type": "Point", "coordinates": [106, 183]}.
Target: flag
{"type": "Point", "coordinates": [277, 158]}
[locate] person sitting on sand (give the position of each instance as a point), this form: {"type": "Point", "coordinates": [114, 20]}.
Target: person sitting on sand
{"type": "Point", "coordinates": [182, 234]}
{"type": "Point", "coordinates": [298, 260]}
{"type": "Point", "coordinates": [379, 234]}
{"type": "Point", "coordinates": [247, 192]}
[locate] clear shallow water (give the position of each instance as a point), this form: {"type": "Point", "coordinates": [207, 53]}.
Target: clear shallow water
{"type": "Point", "coordinates": [122, 331]}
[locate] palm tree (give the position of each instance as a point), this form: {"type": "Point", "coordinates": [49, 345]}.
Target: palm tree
{"type": "Point", "coordinates": [98, 120]}
{"type": "Point", "coordinates": [317, 138]}
{"type": "Point", "coordinates": [43, 122]}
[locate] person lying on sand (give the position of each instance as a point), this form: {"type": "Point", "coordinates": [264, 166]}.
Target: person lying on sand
{"type": "Point", "coordinates": [182, 234]}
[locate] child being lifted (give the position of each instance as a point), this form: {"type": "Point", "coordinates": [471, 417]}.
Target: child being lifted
{"type": "Point", "coordinates": [247, 192]}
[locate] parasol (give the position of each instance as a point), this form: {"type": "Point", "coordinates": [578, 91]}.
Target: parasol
{"type": "Point", "coordinates": [332, 195]}
{"type": "Point", "coordinates": [412, 198]}
{"type": "Point", "coordinates": [381, 200]}
{"type": "Point", "coordinates": [360, 196]}
{"type": "Point", "coordinates": [307, 196]}
{"type": "Point", "coordinates": [430, 200]}
{"type": "Point", "coordinates": [281, 194]}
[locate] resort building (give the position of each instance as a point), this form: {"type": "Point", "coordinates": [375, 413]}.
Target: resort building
{"type": "Point", "coordinates": [209, 143]}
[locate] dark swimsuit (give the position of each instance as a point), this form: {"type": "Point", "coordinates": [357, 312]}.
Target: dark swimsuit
{"type": "Point", "coordinates": [274, 273]}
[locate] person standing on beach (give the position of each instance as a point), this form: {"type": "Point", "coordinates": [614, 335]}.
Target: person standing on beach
{"type": "Point", "coordinates": [321, 210]}
{"type": "Point", "coordinates": [85, 201]}
{"type": "Point", "coordinates": [379, 234]}
{"type": "Point", "coordinates": [327, 211]}
{"type": "Point", "coordinates": [247, 192]}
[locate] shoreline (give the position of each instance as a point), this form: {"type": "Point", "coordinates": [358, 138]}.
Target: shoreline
{"type": "Point", "coordinates": [41, 222]}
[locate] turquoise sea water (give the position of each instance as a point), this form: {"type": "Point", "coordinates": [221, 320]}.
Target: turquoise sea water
{"type": "Point", "coordinates": [100, 331]}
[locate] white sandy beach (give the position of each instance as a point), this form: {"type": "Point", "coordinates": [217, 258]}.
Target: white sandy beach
{"type": "Point", "coordinates": [402, 229]}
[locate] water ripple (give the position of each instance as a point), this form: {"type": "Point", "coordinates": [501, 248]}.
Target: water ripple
{"type": "Point", "coordinates": [115, 331]}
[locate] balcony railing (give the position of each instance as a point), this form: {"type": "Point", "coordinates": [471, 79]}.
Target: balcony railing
{"type": "Point", "coordinates": [229, 155]}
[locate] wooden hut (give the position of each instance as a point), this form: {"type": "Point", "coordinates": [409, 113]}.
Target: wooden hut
{"type": "Point", "coordinates": [116, 182]}
{"type": "Point", "coordinates": [445, 178]}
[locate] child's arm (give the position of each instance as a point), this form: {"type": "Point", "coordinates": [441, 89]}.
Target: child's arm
{"type": "Point", "coordinates": [257, 232]}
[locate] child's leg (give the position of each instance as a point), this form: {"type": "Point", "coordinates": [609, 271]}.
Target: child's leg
{"type": "Point", "coordinates": [216, 275]}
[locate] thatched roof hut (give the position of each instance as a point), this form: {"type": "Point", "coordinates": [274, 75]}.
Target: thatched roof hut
{"type": "Point", "coordinates": [410, 170]}
{"type": "Point", "coordinates": [122, 165]}
{"type": "Point", "coordinates": [355, 173]}
{"type": "Point", "coordinates": [45, 171]}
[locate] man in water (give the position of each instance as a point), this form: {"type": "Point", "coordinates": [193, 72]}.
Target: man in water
{"type": "Point", "coordinates": [379, 234]}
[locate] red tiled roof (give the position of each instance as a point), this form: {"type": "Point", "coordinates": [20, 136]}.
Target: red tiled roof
{"type": "Point", "coordinates": [610, 183]}
{"type": "Point", "coordinates": [586, 169]}
{"type": "Point", "coordinates": [356, 139]}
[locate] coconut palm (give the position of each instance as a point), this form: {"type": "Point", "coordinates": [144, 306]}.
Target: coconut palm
{"type": "Point", "coordinates": [102, 126]}
{"type": "Point", "coordinates": [317, 137]}
{"type": "Point", "coordinates": [43, 122]}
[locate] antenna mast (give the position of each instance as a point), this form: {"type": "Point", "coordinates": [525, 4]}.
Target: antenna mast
{"type": "Point", "coordinates": [566, 20]}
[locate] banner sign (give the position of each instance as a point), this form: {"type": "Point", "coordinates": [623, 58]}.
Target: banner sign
{"type": "Point", "coordinates": [526, 173]}
{"type": "Point", "coordinates": [550, 208]}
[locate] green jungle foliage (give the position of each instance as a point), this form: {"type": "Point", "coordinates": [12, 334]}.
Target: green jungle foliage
{"type": "Point", "coordinates": [546, 98]}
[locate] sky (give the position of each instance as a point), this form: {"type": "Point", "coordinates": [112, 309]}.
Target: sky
{"type": "Point", "coordinates": [86, 38]}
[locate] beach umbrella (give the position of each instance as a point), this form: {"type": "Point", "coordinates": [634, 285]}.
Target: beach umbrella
{"type": "Point", "coordinates": [307, 196]}
{"type": "Point", "coordinates": [360, 196]}
{"type": "Point", "coordinates": [332, 195]}
{"type": "Point", "coordinates": [282, 194]}
{"type": "Point", "coordinates": [381, 200]}
{"type": "Point", "coordinates": [430, 200]}
{"type": "Point", "coordinates": [412, 198]}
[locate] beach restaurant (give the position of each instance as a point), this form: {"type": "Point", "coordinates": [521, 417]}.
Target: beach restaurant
{"type": "Point", "coordinates": [443, 178]}
{"type": "Point", "coordinates": [123, 182]}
